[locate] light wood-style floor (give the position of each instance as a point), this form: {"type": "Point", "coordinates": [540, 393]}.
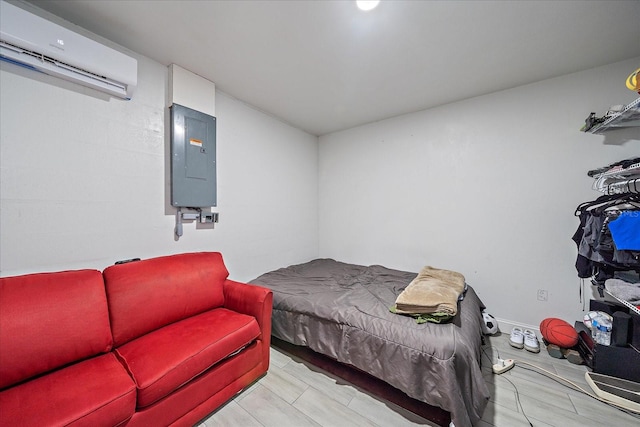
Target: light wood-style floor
{"type": "Point", "coordinates": [296, 394]}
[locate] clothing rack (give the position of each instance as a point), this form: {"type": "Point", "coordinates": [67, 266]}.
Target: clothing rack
{"type": "Point", "coordinates": [601, 252]}
{"type": "Point", "coordinates": [623, 187]}
{"type": "Point", "coordinates": [618, 178]}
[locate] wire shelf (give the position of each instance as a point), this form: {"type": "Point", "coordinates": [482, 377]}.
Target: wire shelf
{"type": "Point", "coordinates": [632, 307]}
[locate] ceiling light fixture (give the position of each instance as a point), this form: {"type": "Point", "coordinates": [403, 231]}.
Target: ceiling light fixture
{"type": "Point", "coordinates": [367, 4]}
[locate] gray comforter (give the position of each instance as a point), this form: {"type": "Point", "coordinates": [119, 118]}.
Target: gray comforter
{"type": "Point", "coordinates": [342, 310]}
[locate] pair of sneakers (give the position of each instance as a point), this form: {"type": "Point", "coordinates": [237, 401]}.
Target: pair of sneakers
{"type": "Point", "coordinates": [526, 339]}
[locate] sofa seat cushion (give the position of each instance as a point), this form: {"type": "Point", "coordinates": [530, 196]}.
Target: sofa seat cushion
{"type": "Point", "coordinates": [164, 360]}
{"type": "Point", "coordinates": [97, 391]}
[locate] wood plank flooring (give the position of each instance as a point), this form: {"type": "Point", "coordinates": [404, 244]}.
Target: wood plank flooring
{"type": "Point", "coordinates": [295, 393]}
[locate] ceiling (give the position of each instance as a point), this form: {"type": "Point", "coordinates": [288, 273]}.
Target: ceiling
{"type": "Point", "coordinates": [324, 66]}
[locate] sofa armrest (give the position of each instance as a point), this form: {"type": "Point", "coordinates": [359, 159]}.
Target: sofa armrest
{"type": "Point", "coordinates": [254, 301]}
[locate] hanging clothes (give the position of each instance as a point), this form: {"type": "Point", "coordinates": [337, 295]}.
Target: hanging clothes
{"type": "Point", "coordinates": [599, 255]}
{"type": "Point", "coordinates": [625, 230]}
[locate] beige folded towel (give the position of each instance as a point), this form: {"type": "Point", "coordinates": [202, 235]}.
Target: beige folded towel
{"type": "Point", "coordinates": [432, 291]}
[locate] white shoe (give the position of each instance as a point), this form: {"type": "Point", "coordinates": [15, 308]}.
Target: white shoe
{"type": "Point", "coordinates": [531, 341]}
{"type": "Point", "coordinates": [517, 338]}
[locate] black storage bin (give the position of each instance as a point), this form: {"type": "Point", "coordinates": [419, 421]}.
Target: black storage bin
{"type": "Point", "coordinates": [620, 362]}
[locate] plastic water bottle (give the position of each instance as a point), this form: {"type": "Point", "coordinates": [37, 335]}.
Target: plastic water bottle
{"type": "Point", "coordinates": [605, 332]}
{"type": "Point", "coordinates": [601, 330]}
{"type": "Point", "coordinates": [595, 328]}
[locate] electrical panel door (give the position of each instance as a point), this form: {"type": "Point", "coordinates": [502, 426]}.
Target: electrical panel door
{"type": "Point", "coordinates": [193, 158]}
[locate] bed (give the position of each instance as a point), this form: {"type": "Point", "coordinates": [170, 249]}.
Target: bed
{"type": "Point", "coordinates": [343, 311]}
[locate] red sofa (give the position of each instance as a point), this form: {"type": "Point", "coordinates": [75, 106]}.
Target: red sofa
{"type": "Point", "coordinates": [159, 342]}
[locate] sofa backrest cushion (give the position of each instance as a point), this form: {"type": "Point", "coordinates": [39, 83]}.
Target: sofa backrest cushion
{"type": "Point", "coordinates": [146, 295]}
{"type": "Point", "coordinates": [48, 320]}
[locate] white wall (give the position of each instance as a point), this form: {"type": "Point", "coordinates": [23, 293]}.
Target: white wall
{"type": "Point", "coordinates": [487, 186]}
{"type": "Point", "coordinates": [83, 180]}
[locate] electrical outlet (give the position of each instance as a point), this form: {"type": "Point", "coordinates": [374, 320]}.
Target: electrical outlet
{"type": "Point", "coordinates": [543, 295]}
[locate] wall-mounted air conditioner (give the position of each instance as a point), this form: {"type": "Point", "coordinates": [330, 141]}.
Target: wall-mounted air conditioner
{"type": "Point", "coordinates": [38, 44]}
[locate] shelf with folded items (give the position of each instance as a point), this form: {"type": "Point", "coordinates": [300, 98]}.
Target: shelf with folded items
{"type": "Point", "coordinates": [629, 116]}
{"type": "Point", "coordinates": [630, 171]}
